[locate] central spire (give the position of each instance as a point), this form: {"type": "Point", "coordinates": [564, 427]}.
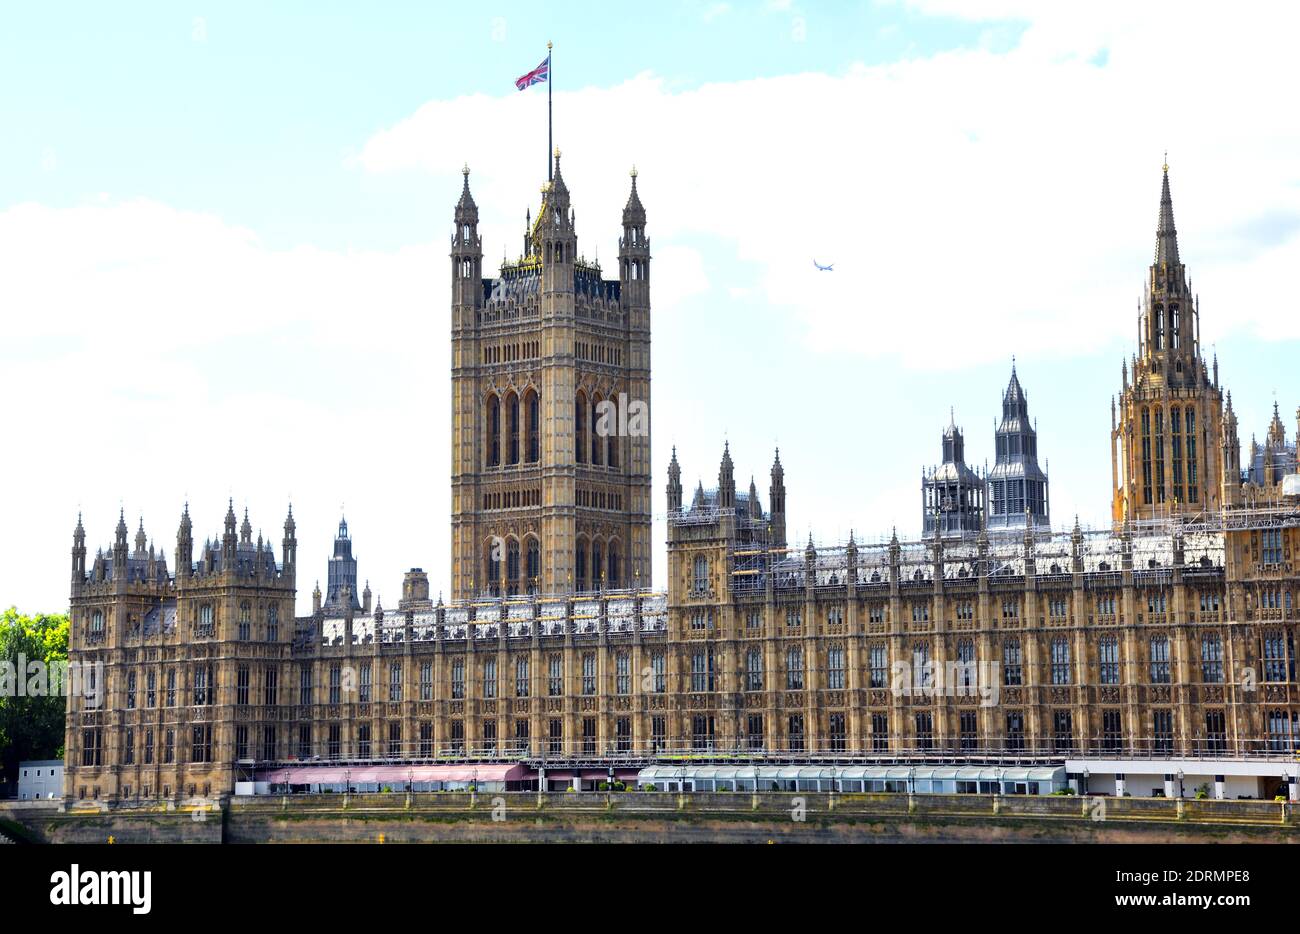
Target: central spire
{"type": "Point", "coordinates": [1166, 235]}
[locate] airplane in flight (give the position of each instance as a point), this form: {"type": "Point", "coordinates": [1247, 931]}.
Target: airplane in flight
{"type": "Point", "coordinates": [821, 268]}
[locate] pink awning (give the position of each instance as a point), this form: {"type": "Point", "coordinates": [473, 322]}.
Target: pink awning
{"type": "Point", "coordinates": [394, 774]}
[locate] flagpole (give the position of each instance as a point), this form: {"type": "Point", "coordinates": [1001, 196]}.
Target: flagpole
{"type": "Point", "coordinates": [549, 140]}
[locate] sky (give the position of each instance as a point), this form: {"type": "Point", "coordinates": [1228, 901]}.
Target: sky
{"type": "Point", "coordinates": [224, 236]}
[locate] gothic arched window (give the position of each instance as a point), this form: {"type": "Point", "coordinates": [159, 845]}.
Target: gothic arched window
{"type": "Point", "coordinates": [611, 444]}
{"type": "Point", "coordinates": [534, 565]}
{"type": "Point", "coordinates": [700, 582]}
{"type": "Point", "coordinates": [597, 567]}
{"type": "Point", "coordinates": [1176, 450]}
{"type": "Point", "coordinates": [492, 567]}
{"type": "Point", "coordinates": [512, 568]}
{"type": "Point", "coordinates": [1146, 455]}
{"type": "Point", "coordinates": [1159, 439]}
{"type": "Point", "coordinates": [595, 434]}
{"type": "Point", "coordinates": [533, 411]}
{"type": "Point", "coordinates": [493, 438]}
{"type": "Point", "coordinates": [580, 427]}
{"type": "Point", "coordinates": [614, 578]}
{"type": "Point", "coordinates": [512, 429]}
{"type": "Point", "coordinates": [580, 567]}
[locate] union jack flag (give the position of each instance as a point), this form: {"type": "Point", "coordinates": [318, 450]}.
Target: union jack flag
{"type": "Point", "coordinates": [535, 76]}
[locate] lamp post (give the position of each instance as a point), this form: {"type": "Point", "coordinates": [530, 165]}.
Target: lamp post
{"type": "Point", "coordinates": [1179, 773]}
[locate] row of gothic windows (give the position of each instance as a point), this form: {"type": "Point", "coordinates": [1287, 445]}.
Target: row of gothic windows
{"type": "Point", "coordinates": [1165, 327]}
{"type": "Point", "coordinates": [1174, 437]}
{"type": "Point", "coordinates": [1013, 497]}
{"type": "Point", "coordinates": [596, 565]}
{"type": "Point", "coordinates": [512, 431]}
{"type": "Point", "coordinates": [602, 570]}
{"type": "Point", "coordinates": [506, 556]}
{"type": "Point", "coordinates": [521, 437]}
{"type": "Point", "coordinates": [590, 446]}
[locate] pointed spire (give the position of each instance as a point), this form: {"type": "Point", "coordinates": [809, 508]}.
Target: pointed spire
{"type": "Point", "coordinates": [633, 211]}
{"type": "Point", "coordinates": [121, 526]}
{"type": "Point", "coordinates": [1276, 430]}
{"type": "Point", "coordinates": [246, 530]}
{"type": "Point", "coordinates": [466, 209]}
{"type": "Point", "coordinates": [1166, 235]}
{"type": "Point", "coordinates": [558, 187]}
{"type": "Point", "coordinates": [1014, 399]}
{"type": "Point", "coordinates": [230, 517]}
{"type": "Point", "coordinates": [141, 540]}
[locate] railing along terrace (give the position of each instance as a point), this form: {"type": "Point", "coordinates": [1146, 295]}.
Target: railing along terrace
{"type": "Point", "coordinates": [1151, 550]}
{"type": "Point", "coordinates": [610, 611]}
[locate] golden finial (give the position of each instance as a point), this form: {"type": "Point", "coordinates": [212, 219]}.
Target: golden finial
{"type": "Point", "coordinates": [557, 152]}
{"type": "Point", "coordinates": [1166, 166]}
{"type": "Point", "coordinates": [548, 46]}
{"type": "Point", "coordinates": [633, 172]}
{"type": "Point", "coordinates": [464, 170]}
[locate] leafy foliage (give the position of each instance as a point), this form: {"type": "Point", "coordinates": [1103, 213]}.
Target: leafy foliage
{"type": "Point", "coordinates": [31, 727]}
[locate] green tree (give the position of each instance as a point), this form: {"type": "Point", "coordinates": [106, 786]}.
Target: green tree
{"type": "Point", "coordinates": [30, 727]}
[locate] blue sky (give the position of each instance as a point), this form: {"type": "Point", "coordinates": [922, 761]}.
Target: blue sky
{"type": "Point", "coordinates": [227, 275]}
{"type": "Point", "coordinates": [249, 109]}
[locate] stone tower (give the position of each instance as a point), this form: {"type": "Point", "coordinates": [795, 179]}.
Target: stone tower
{"type": "Point", "coordinates": [1168, 441]}
{"type": "Point", "coordinates": [1017, 487]}
{"type": "Point", "coordinates": [341, 588]}
{"type": "Point", "coordinates": [952, 494]}
{"type": "Point", "coordinates": [195, 663]}
{"type": "Point", "coordinates": [550, 408]}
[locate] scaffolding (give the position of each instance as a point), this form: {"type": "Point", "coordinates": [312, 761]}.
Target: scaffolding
{"type": "Point", "coordinates": [1147, 547]}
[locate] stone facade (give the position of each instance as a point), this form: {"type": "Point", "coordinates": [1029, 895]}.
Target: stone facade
{"type": "Point", "coordinates": [547, 495]}
{"type": "Point", "coordinates": [1172, 632]}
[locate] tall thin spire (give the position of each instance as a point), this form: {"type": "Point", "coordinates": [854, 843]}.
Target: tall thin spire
{"type": "Point", "coordinates": [1166, 235]}
{"type": "Point", "coordinates": [466, 209]}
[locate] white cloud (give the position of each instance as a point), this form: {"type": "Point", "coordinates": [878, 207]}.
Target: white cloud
{"type": "Point", "coordinates": [715, 11]}
{"type": "Point", "coordinates": [165, 354]}
{"type": "Point", "coordinates": [974, 204]}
